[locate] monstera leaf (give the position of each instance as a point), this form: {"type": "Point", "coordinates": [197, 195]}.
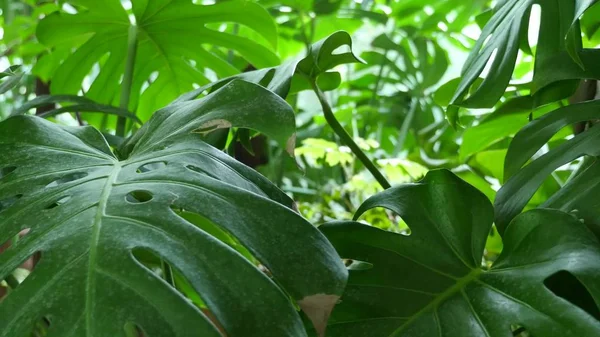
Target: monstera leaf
{"type": "Point", "coordinates": [94, 215]}
{"type": "Point", "coordinates": [171, 47]}
{"type": "Point", "coordinates": [404, 68]}
{"type": "Point", "coordinates": [506, 32]}
{"type": "Point", "coordinates": [294, 75]}
{"type": "Point", "coordinates": [430, 283]}
{"type": "Point", "coordinates": [522, 182]}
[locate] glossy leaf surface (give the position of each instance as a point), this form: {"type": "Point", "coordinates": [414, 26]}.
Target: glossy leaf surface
{"type": "Point", "coordinates": [91, 213]}
{"type": "Point", "coordinates": [430, 283]}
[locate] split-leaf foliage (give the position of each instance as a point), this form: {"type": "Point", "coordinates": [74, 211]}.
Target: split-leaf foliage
{"type": "Point", "coordinates": [129, 207]}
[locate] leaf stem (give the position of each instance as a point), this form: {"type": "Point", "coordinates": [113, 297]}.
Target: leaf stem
{"type": "Point", "coordinates": [127, 77]}
{"type": "Point", "coordinates": [406, 124]}
{"type": "Point", "coordinates": [379, 77]}
{"type": "Point", "coordinates": [346, 138]}
{"type": "Point", "coordinates": [305, 38]}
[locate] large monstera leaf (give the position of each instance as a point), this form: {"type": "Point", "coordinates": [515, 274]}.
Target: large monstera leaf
{"type": "Point", "coordinates": [430, 283]}
{"type": "Point", "coordinates": [94, 216]}
{"type": "Point", "coordinates": [172, 36]}
{"type": "Point", "coordinates": [506, 32]}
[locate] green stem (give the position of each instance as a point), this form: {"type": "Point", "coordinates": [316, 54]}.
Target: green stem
{"type": "Point", "coordinates": [230, 53]}
{"type": "Point", "coordinates": [127, 77]}
{"type": "Point", "coordinates": [406, 124]}
{"type": "Point", "coordinates": [305, 38]}
{"type": "Point", "coordinates": [7, 12]}
{"type": "Point", "coordinates": [346, 138]}
{"type": "Point", "coordinates": [379, 77]}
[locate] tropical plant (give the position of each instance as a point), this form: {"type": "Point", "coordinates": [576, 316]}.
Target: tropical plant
{"type": "Point", "coordinates": [146, 185]}
{"type": "Point", "coordinates": [95, 215]}
{"type": "Point", "coordinates": [432, 283]}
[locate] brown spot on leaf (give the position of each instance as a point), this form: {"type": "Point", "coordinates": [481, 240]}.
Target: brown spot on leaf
{"type": "Point", "coordinates": [213, 125]}
{"type": "Point", "coordinates": [318, 308]}
{"type": "Point", "coordinates": [290, 146]}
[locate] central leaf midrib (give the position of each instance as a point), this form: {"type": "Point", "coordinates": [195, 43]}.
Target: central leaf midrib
{"type": "Point", "coordinates": [458, 286]}
{"type": "Point", "coordinates": [97, 226]}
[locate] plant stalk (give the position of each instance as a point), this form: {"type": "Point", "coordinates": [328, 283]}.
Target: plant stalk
{"type": "Point", "coordinates": [305, 38]}
{"type": "Point", "coordinates": [127, 78]}
{"type": "Point", "coordinates": [7, 12]}
{"type": "Point", "coordinates": [378, 80]}
{"type": "Point", "coordinates": [406, 124]}
{"type": "Point", "coordinates": [346, 138]}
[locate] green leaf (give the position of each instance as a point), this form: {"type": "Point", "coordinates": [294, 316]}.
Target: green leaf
{"type": "Point", "coordinates": [559, 39]}
{"type": "Point", "coordinates": [523, 182]}
{"type": "Point", "coordinates": [579, 195]}
{"type": "Point", "coordinates": [431, 283]}
{"type": "Point", "coordinates": [292, 75]}
{"type": "Point", "coordinates": [322, 57]}
{"type": "Point", "coordinates": [357, 13]}
{"type": "Point", "coordinates": [424, 68]}
{"type": "Point", "coordinates": [505, 121]}
{"type": "Point", "coordinates": [590, 22]}
{"type": "Point", "coordinates": [80, 104]}
{"type": "Point", "coordinates": [14, 78]}
{"type": "Point", "coordinates": [89, 212]}
{"type": "Point", "coordinates": [98, 33]}
{"type": "Point", "coordinates": [238, 104]}
{"type": "Point", "coordinates": [10, 71]}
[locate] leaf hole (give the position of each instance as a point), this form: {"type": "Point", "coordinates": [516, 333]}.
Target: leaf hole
{"type": "Point", "coordinates": [41, 327]}
{"type": "Point", "coordinates": [138, 197]}
{"type": "Point", "coordinates": [219, 233]}
{"type": "Point", "coordinates": [357, 265]}
{"type": "Point", "coordinates": [175, 279]}
{"type": "Point", "coordinates": [67, 178]}
{"type": "Point", "coordinates": [343, 49]}
{"type": "Point", "coordinates": [13, 240]}
{"type": "Point", "coordinates": [6, 203]}
{"type": "Point", "coordinates": [133, 330]}
{"type": "Point", "coordinates": [518, 330]}
{"type": "Point", "coordinates": [197, 169]}
{"type": "Point", "coordinates": [6, 171]}
{"type": "Point", "coordinates": [19, 275]}
{"type": "Point", "coordinates": [565, 285]}
{"type": "Point", "coordinates": [152, 166]}
{"type": "Point", "coordinates": [60, 201]}
{"type": "Point", "coordinates": [267, 78]}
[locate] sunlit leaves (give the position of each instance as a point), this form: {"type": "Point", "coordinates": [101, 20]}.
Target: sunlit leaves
{"type": "Point", "coordinates": [167, 62]}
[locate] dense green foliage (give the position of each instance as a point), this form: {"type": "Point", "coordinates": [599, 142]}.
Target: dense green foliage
{"type": "Point", "coordinates": [299, 168]}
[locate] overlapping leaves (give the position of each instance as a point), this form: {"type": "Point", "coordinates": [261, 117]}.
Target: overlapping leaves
{"type": "Point", "coordinates": [506, 32]}
{"type": "Point", "coordinates": [430, 282]}
{"type": "Point", "coordinates": [173, 39]}
{"type": "Point", "coordinates": [523, 182]}
{"type": "Point", "coordinates": [294, 75]}
{"type": "Point", "coordinates": [91, 215]}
